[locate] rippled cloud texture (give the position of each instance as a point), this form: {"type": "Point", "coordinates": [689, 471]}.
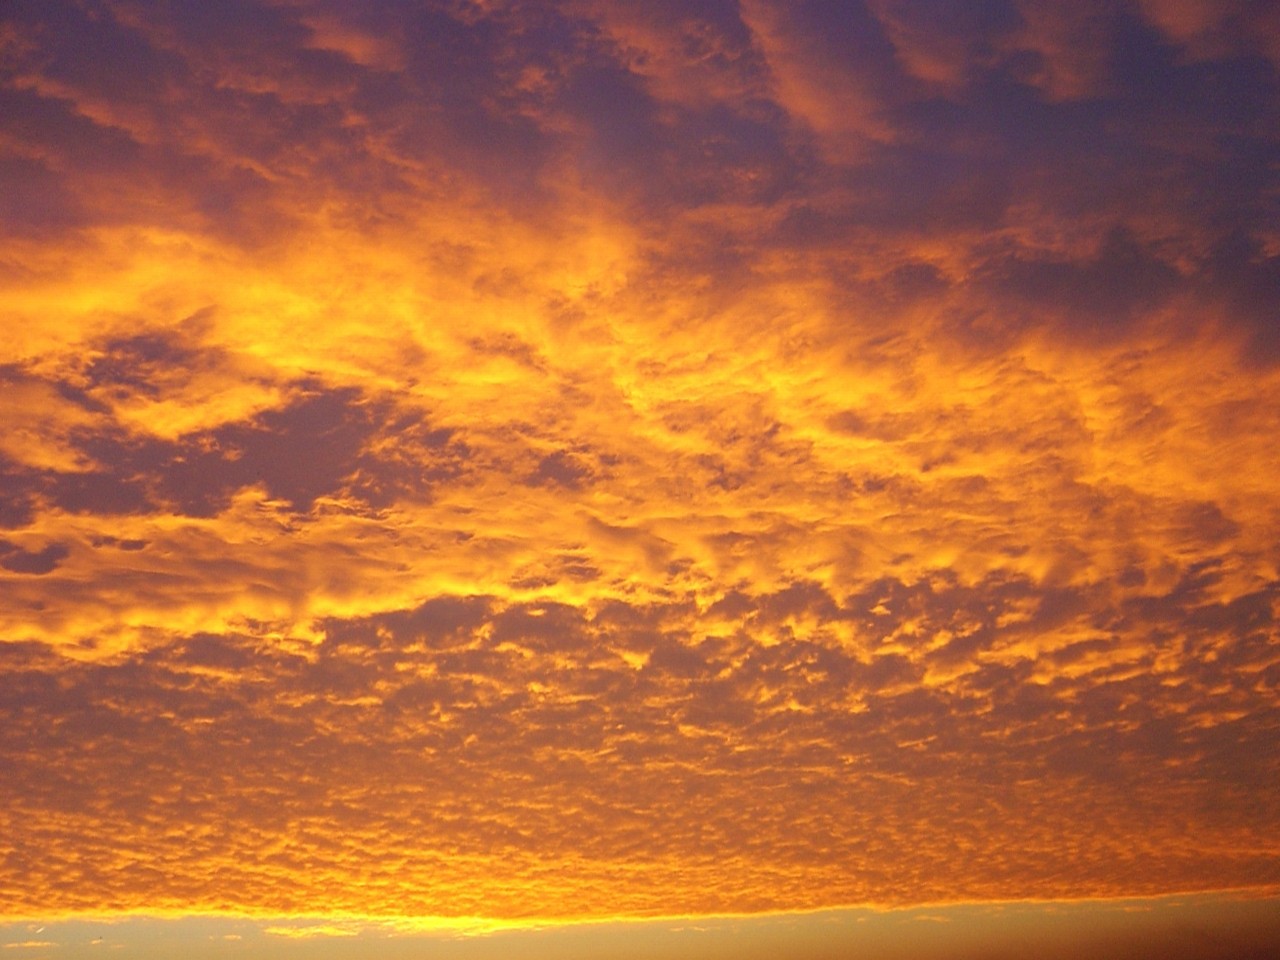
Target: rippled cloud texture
{"type": "Point", "coordinates": [542, 460]}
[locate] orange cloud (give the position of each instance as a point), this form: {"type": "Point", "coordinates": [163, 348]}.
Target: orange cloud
{"type": "Point", "coordinates": [515, 464]}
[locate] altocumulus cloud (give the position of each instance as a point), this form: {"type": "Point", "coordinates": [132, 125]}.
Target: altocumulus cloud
{"type": "Point", "coordinates": [524, 461]}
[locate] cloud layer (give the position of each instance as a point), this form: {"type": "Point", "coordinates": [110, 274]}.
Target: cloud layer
{"type": "Point", "coordinates": [587, 459]}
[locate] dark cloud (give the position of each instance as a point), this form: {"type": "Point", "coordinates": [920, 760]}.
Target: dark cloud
{"type": "Point", "coordinates": [315, 446]}
{"type": "Point", "coordinates": [100, 492]}
{"type": "Point", "coordinates": [35, 197]}
{"type": "Point", "coordinates": [1097, 297]}
{"type": "Point", "coordinates": [18, 560]}
{"type": "Point", "coordinates": [1240, 274]}
{"type": "Point", "coordinates": [143, 364]}
{"type": "Point", "coordinates": [561, 469]}
{"type": "Point", "coordinates": [119, 544]}
{"type": "Point", "coordinates": [17, 493]}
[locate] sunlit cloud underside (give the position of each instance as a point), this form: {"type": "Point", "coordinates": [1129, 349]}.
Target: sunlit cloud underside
{"type": "Point", "coordinates": [532, 461]}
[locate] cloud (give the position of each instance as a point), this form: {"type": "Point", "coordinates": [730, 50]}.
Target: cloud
{"type": "Point", "coordinates": [495, 460]}
{"type": "Point", "coordinates": [13, 557]}
{"type": "Point", "coordinates": [309, 932]}
{"type": "Point", "coordinates": [481, 728]}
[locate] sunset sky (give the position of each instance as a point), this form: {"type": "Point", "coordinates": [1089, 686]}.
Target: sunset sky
{"type": "Point", "coordinates": [757, 469]}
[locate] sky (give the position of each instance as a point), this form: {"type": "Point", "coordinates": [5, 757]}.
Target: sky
{"type": "Point", "coordinates": [475, 469]}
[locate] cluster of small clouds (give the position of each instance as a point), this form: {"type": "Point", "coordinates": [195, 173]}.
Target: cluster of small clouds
{"type": "Point", "coordinates": [519, 459]}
